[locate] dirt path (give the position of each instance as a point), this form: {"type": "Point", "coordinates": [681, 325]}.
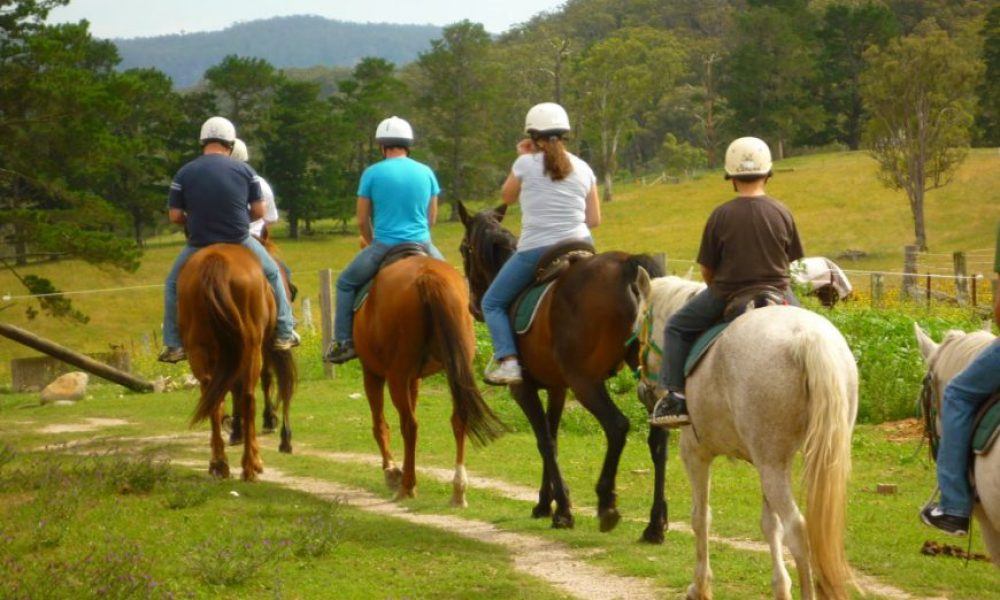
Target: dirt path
{"type": "Point", "coordinates": [550, 561]}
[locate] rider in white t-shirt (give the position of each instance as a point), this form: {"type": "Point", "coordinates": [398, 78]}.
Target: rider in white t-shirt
{"type": "Point", "coordinates": [559, 202]}
{"type": "Point", "coordinates": [266, 194]}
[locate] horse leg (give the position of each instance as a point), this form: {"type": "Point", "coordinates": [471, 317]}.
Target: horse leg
{"type": "Point", "coordinates": [375, 391]}
{"type": "Point", "coordinates": [235, 425]}
{"type": "Point", "coordinates": [402, 393]}
{"type": "Point", "coordinates": [270, 416]}
{"type": "Point", "coordinates": [657, 440]}
{"type": "Point", "coordinates": [460, 481]}
{"type": "Point", "coordinates": [286, 429]}
{"type": "Point", "coordinates": [218, 466]}
{"type": "Point", "coordinates": [770, 524]}
{"type": "Point", "coordinates": [252, 463]}
{"type": "Point", "coordinates": [594, 397]}
{"type": "Point", "coordinates": [779, 503]}
{"type": "Point", "coordinates": [697, 464]}
{"type": "Point", "coordinates": [553, 487]}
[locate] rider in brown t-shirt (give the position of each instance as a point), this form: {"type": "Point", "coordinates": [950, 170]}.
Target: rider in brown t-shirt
{"type": "Point", "coordinates": [748, 242]}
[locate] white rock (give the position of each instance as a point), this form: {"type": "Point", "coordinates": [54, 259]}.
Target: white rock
{"type": "Point", "coordinates": [71, 387]}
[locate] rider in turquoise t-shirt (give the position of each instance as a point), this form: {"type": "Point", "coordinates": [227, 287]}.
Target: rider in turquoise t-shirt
{"type": "Point", "coordinates": [397, 203]}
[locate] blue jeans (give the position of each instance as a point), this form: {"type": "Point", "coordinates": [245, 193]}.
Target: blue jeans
{"type": "Point", "coordinates": [285, 325]}
{"type": "Point", "coordinates": [962, 398]}
{"type": "Point", "coordinates": [514, 276]}
{"type": "Point", "coordinates": [353, 277]}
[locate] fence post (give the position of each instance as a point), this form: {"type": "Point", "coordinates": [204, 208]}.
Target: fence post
{"type": "Point", "coordinates": [876, 290]}
{"type": "Point", "coordinates": [961, 281]}
{"type": "Point", "coordinates": [909, 271]}
{"type": "Point", "coordinates": [928, 290]}
{"type": "Point", "coordinates": [326, 315]}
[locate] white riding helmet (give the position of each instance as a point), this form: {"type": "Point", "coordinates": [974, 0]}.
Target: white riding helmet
{"type": "Point", "coordinates": [394, 132]}
{"type": "Point", "coordinates": [748, 156]}
{"type": "Point", "coordinates": [240, 150]}
{"type": "Point", "coordinates": [546, 118]}
{"type": "Point", "coordinates": [218, 129]}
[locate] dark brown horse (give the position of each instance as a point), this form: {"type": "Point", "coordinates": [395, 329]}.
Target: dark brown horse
{"type": "Point", "coordinates": [582, 334]}
{"type": "Point", "coordinates": [415, 323]}
{"type": "Point", "coordinates": [226, 312]}
{"type": "Point", "coordinates": [268, 369]}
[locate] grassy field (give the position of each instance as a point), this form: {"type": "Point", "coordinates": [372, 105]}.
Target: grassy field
{"type": "Point", "coordinates": [96, 510]}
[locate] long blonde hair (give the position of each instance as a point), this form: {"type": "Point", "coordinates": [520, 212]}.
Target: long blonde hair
{"type": "Point", "coordinates": [556, 161]}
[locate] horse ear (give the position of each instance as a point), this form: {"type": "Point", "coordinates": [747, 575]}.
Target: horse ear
{"type": "Point", "coordinates": [927, 346]}
{"type": "Point", "coordinates": [463, 214]}
{"type": "Point", "coordinates": [644, 283]}
{"type": "Point", "coordinates": [499, 212]}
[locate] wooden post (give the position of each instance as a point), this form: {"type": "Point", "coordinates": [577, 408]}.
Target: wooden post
{"type": "Point", "coordinates": [961, 281]}
{"type": "Point", "coordinates": [75, 358]}
{"type": "Point", "coordinates": [975, 284]}
{"type": "Point", "coordinates": [909, 270]}
{"type": "Point", "coordinates": [876, 290]}
{"type": "Point", "coordinates": [928, 290]}
{"type": "Point", "coordinates": [326, 315]}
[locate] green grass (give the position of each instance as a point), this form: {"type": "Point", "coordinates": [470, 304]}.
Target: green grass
{"type": "Point", "coordinates": [403, 560]}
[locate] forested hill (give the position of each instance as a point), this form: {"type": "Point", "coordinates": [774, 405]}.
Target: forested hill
{"type": "Point", "coordinates": [300, 41]}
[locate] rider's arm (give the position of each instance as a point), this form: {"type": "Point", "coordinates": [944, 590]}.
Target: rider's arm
{"type": "Point", "coordinates": [511, 189]}
{"type": "Point", "coordinates": [432, 211]}
{"type": "Point", "coordinates": [707, 274]}
{"type": "Point", "coordinates": [177, 216]}
{"type": "Point", "coordinates": [257, 209]}
{"type": "Point", "coordinates": [364, 212]}
{"type": "Point", "coordinates": [593, 211]}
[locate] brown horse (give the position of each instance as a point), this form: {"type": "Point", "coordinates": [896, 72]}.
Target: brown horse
{"type": "Point", "coordinates": [226, 312]}
{"type": "Point", "coordinates": [415, 323]}
{"type": "Point", "coordinates": [583, 333]}
{"type": "Point", "coordinates": [268, 369]}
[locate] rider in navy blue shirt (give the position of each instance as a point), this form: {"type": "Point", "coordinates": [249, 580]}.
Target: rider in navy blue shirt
{"type": "Point", "coordinates": [210, 196]}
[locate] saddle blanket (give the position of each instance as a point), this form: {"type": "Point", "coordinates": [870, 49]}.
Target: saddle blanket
{"type": "Point", "coordinates": [525, 308]}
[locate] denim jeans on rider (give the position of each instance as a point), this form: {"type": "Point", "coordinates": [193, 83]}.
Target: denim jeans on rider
{"type": "Point", "coordinates": [514, 276]}
{"type": "Point", "coordinates": [356, 274]}
{"type": "Point", "coordinates": [683, 328]}
{"type": "Point", "coordinates": [962, 398]}
{"type": "Point", "coordinates": [285, 325]}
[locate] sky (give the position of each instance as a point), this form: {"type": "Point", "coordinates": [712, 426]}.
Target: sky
{"type": "Point", "coordinates": [144, 18]}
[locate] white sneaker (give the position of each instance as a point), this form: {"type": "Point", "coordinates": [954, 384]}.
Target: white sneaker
{"type": "Point", "coordinates": [505, 373]}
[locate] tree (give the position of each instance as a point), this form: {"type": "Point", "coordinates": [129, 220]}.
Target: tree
{"type": "Point", "coordinates": [919, 93]}
{"type": "Point", "coordinates": [456, 88]}
{"type": "Point", "coordinates": [845, 34]}
{"type": "Point", "coordinates": [988, 118]}
{"type": "Point", "coordinates": [53, 98]}
{"type": "Point", "coordinates": [620, 78]}
{"type": "Point", "coordinates": [244, 86]}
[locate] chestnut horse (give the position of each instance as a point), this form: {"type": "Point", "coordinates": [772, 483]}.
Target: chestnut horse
{"type": "Point", "coordinates": [415, 323]}
{"type": "Point", "coordinates": [582, 334]}
{"type": "Point", "coordinates": [268, 369]}
{"type": "Point", "coordinates": [226, 312]}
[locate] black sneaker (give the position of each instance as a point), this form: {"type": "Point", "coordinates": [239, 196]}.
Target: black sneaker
{"type": "Point", "coordinates": [950, 524]}
{"type": "Point", "coordinates": [340, 352]}
{"type": "Point", "coordinates": [171, 354]}
{"type": "Point", "coordinates": [670, 411]}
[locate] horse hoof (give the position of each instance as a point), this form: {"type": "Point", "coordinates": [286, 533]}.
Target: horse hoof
{"type": "Point", "coordinates": [459, 501]}
{"type": "Point", "coordinates": [285, 448]}
{"type": "Point", "coordinates": [393, 478]}
{"type": "Point", "coordinates": [235, 440]}
{"type": "Point", "coordinates": [652, 535]}
{"type": "Point", "coordinates": [563, 522]}
{"type": "Point", "coordinates": [609, 519]}
{"type": "Point", "coordinates": [541, 511]}
{"type": "Point", "coordinates": [218, 469]}
{"type": "Point", "coordinates": [404, 495]}
{"type": "Point", "coordinates": [266, 430]}
{"type": "Point", "coordinates": [694, 594]}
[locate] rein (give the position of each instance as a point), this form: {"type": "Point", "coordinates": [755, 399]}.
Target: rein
{"type": "Point", "coordinates": [928, 407]}
{"type": "Point", "coordinates": [644, 334]}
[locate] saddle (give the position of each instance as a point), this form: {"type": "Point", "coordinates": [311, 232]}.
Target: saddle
{"type": "Point", "coordinates": [552, 263]}
{"type": "Point", "coordinates": [750, 298]}
{"type": "Point", "coordinates": [396, 253]}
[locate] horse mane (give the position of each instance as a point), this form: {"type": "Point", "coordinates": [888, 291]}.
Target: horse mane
{"type": "Point", "coordinates": [956, 351]}
{"type": "Point", "coordinates": [490, 241]}
{"type": "Point", "coordinates": [669, 294]}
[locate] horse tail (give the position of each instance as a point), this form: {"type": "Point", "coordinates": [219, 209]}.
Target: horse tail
{"type": "Point", "coordinates": [283, 366]}
{"type": "Point", "coordinates": [445, 316]}
{"type": "Point", "coordinates": [831, 392]}
{"type": "Point", "coordinates": [225, 323]}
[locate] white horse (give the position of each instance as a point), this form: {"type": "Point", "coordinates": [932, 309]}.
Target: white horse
{"type": "Point", "coordinates": [944, 361]}
{"type": "Point", "coordinates": [776, 380]}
